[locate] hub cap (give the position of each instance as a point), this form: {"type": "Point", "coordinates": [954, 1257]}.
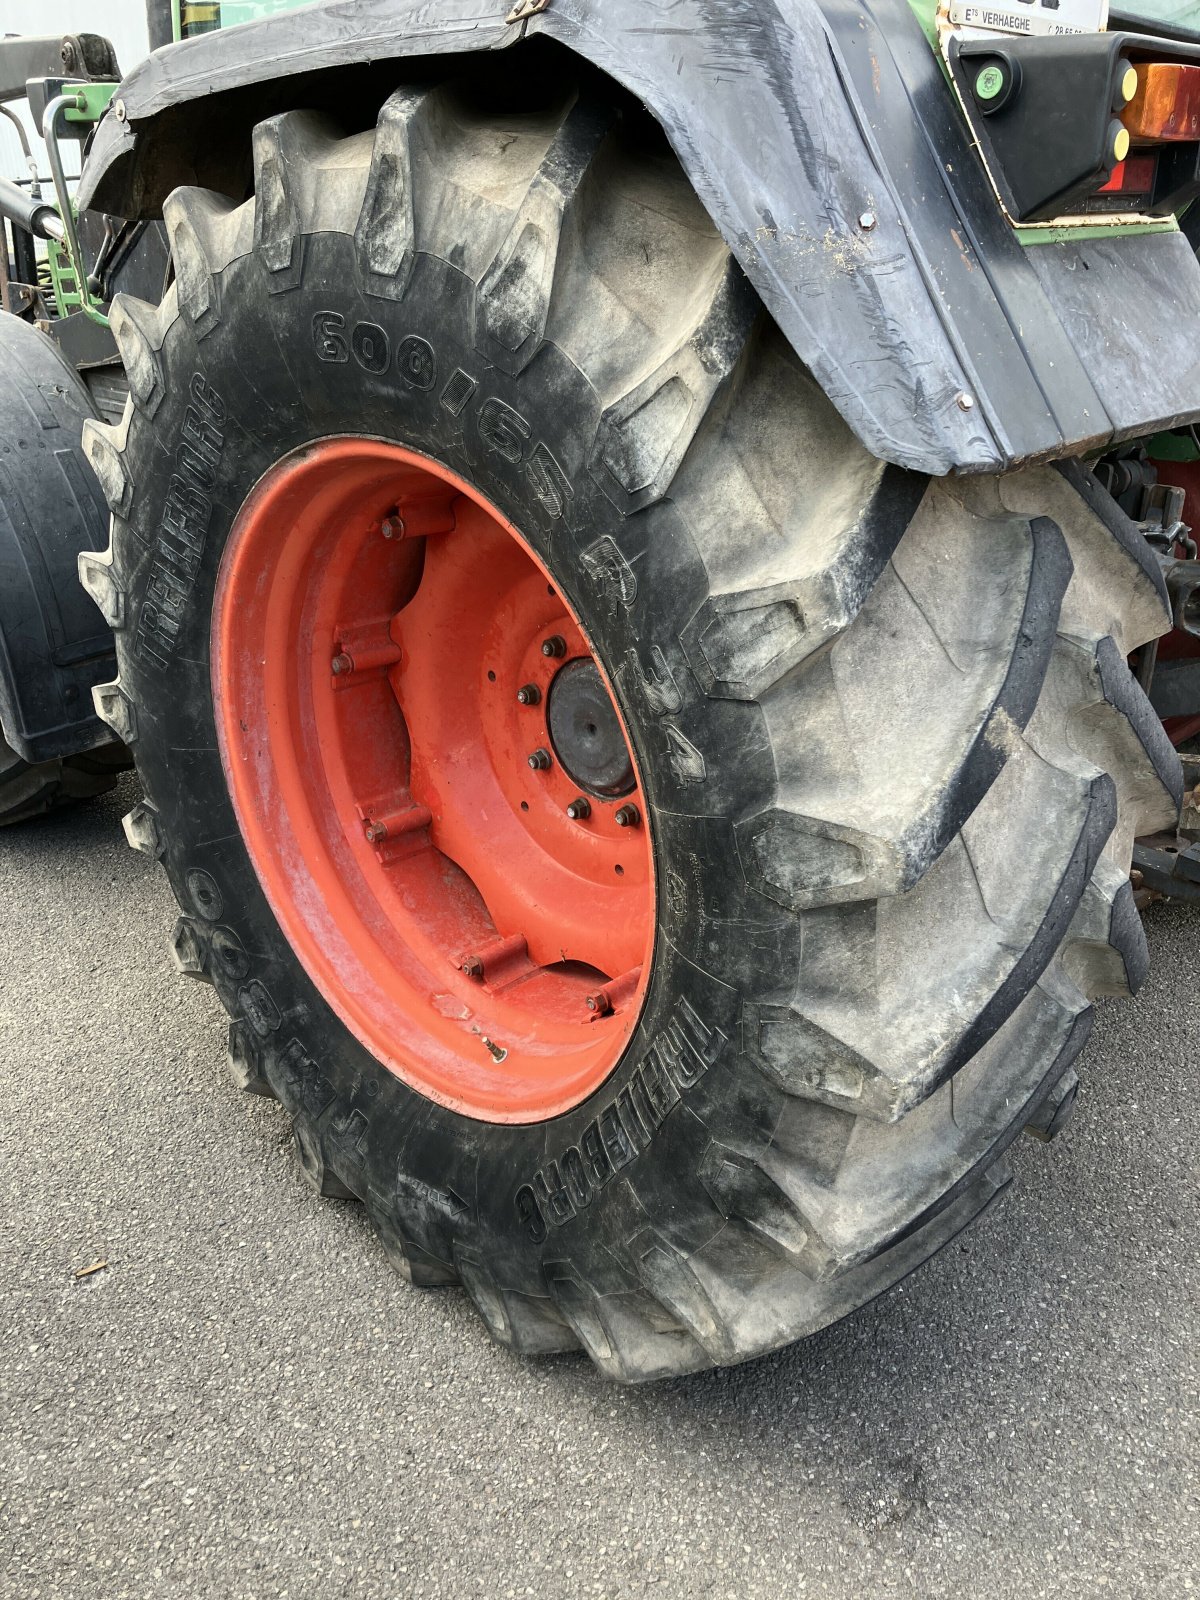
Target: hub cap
{"type": "Point", "coordinates": [586, 731]}
{"type": "Point", "coordinates": [433, 780]}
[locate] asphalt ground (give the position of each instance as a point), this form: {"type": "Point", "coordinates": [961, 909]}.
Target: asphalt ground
{"type": "Point", "coordinates": [247, 1403]}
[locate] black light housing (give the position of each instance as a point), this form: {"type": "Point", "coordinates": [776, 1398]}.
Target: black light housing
{"type": "Point", "coordinates": [1046, 113]}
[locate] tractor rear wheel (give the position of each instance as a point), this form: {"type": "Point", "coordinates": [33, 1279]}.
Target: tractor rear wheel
{"type": "Point", "coordinates": [658, 855]}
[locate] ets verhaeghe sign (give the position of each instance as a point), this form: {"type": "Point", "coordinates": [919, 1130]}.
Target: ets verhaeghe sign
{"type": "Point", "coordinates": [1032, 17]}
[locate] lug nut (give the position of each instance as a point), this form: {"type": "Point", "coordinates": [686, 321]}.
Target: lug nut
{"type": "Point", "coordinates": [375, 831]}
{"type": "Point", "coordinates": [580, 809]}
{"type": "Point", "coordinates": [555, 646]}
{"type": "Point", "coordinates": [599, 1003]}
{"type": "Point", "coordinates": [540, 760]}
{"type": "Point", "coordinates": [472, 967]}
{"type": "Point", "coordinates": [529, 694]}
{"type": "Point", "coordinates": [628, 817]}
{"type": "Point", "coordinates": [393, 527]}
{"type": "Point", "coordinates": [341, 664]}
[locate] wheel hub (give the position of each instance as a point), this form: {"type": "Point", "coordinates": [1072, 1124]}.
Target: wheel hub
{"type": "Point", "coordinates": [414, 724]}
{"type": "Point", "coordinates": [586, 731]}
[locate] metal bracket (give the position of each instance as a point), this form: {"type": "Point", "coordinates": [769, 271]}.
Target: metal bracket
{"type": "Point", "coordinates": [1167, 865]}
{"type": "Point", "coordinates": [70, 100]}
{"type": "Point", "coordinates": [1167, 868]}
{"type": "Point", "coordinates": [524, 9]}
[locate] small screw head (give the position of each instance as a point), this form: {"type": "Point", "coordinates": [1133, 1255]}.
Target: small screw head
{"type": "Point", "coordinates": [393, 527]}
{"type": "Point", "coordinates": [472, 967]}
{"type": "Point", "coordinates": [964, 401]}
{"type": "Point", "coordinates": [599, 1004]}
{"type": "Point", "coordinates": [540, 760]}
{"type": "Point", "coordinates": [375, 831]}
{"type": "Point", "coordinates": [867, 220]}
{"type": "Point", "coordinates": [529, 694]}
{"type": "Point", "coordinates": [341, 664]}
{"type": "Point", "coordinates": [580, 809]}
{"type": "Point", "coordinates": [555, 646]}
{"type": "Point", "coordinates": [627, 817]}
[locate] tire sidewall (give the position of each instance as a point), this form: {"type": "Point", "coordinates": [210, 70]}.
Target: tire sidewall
{"type": "Point", "coordinates": [276, 367]}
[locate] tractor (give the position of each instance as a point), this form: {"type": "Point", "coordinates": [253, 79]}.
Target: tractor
{"type": "Point", "coordinates": [637, 543]}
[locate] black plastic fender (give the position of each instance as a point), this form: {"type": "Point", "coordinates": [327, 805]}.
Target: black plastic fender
{"type": "Point", "coordinates": [825, 142]}
{"type": "Point", "coordinates": [53, 642]}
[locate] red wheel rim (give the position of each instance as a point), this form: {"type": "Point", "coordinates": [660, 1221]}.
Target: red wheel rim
{"type": "Point", "coordinates": [388, 654]}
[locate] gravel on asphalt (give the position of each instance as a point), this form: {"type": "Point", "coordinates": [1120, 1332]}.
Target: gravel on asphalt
{"type": "Point", "coordinates": [246, 1402]}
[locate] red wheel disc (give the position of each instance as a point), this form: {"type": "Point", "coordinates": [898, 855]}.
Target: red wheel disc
{"type": "Point", "coordinates": [391, 665]}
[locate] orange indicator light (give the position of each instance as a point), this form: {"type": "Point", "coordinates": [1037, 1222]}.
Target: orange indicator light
{"type": "Point", "coordinates": [1166, 105]}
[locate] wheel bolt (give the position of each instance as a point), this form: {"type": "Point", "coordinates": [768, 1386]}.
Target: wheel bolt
{"type": "Point", "coordinates": [599, 1003]}
{"type": "Point", "coordinates": [555, 646]}
{"type": "Point", "coordinates": [341, 664]}
{"type": "Point", "coordinates": [628, 817]}
{"type": "Point", "coordinates": [580, 809]}
{"type": "Point", "coordinates": [472, 967]}
{"type": "Point", "coordinates": [393, 527]}
{"type": "Point", "coordinates": [540, 760]}
{"type": "Point", "coordinates": [529, 694]}
{"type": "Point", "coordinates": [375, 831]}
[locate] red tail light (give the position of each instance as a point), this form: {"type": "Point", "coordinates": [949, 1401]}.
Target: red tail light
{"type": "Point", "coordinates": [1134, 175]}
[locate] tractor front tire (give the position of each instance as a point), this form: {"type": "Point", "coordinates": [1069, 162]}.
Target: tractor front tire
{"type": "Point", "coordinates": [887, 758]}
{"type": "Point", "coordinates": [53, 647]}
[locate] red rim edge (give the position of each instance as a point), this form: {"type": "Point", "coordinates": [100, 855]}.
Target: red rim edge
{"type": "Point", "coordinates": [386, 648]}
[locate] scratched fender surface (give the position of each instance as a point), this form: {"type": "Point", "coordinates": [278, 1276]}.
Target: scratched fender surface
{"type": "Point", "coordinates": [825, 145]}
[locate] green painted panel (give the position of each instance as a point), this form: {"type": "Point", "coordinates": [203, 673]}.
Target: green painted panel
{"type": "Point", "coordinates": [206, 16]}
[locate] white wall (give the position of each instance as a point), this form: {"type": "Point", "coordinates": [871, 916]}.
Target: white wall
{"type": "Point", "coordinates": [122, 21]}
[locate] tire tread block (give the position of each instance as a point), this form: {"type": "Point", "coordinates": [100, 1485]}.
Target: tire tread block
{"type": "Point", "coordinates": [513, 304]}
{"type": "Point", "coordinates": [956, 956]}
{"type": "Point", "coordinates": [745, 1303]}
{"type": "Point", "coordinates": [977, 636]}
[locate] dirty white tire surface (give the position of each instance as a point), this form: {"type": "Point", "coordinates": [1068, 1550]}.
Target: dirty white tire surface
{"type": "Point", "coordinates": [248, 1402]}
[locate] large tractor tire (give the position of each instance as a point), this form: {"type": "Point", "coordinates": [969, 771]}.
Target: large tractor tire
{"type": "Point", "coordinates": [53, 647]}
{"type": "Point", "coordinates": [658, 855]}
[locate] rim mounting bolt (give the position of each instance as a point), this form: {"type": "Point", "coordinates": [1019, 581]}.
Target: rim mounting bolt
{"type": "Point", "coordinates": [580, 809]}
{"type": "Point", "coordinates": [375, 831]}
{"type": "Point", "coordinates": [529, 694]}
{"type": "Point", "coordinates": [540, 760]}
{"type": "Point", "coordinates": [341, 664]}
{"type": "Point", "coordinates": [628, 817]}
{"type": "Point", "coordinates": [555, 646]}
{"type": "Point", "coordinates": [472, 967]}
{"type": "Point", "coordinates": [393, 526]}
{"type": "Point", "coordinates": [600, 1004]}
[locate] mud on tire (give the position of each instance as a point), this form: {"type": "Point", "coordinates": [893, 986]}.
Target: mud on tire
{"type": "Point", "coordinates": [893, 758]}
